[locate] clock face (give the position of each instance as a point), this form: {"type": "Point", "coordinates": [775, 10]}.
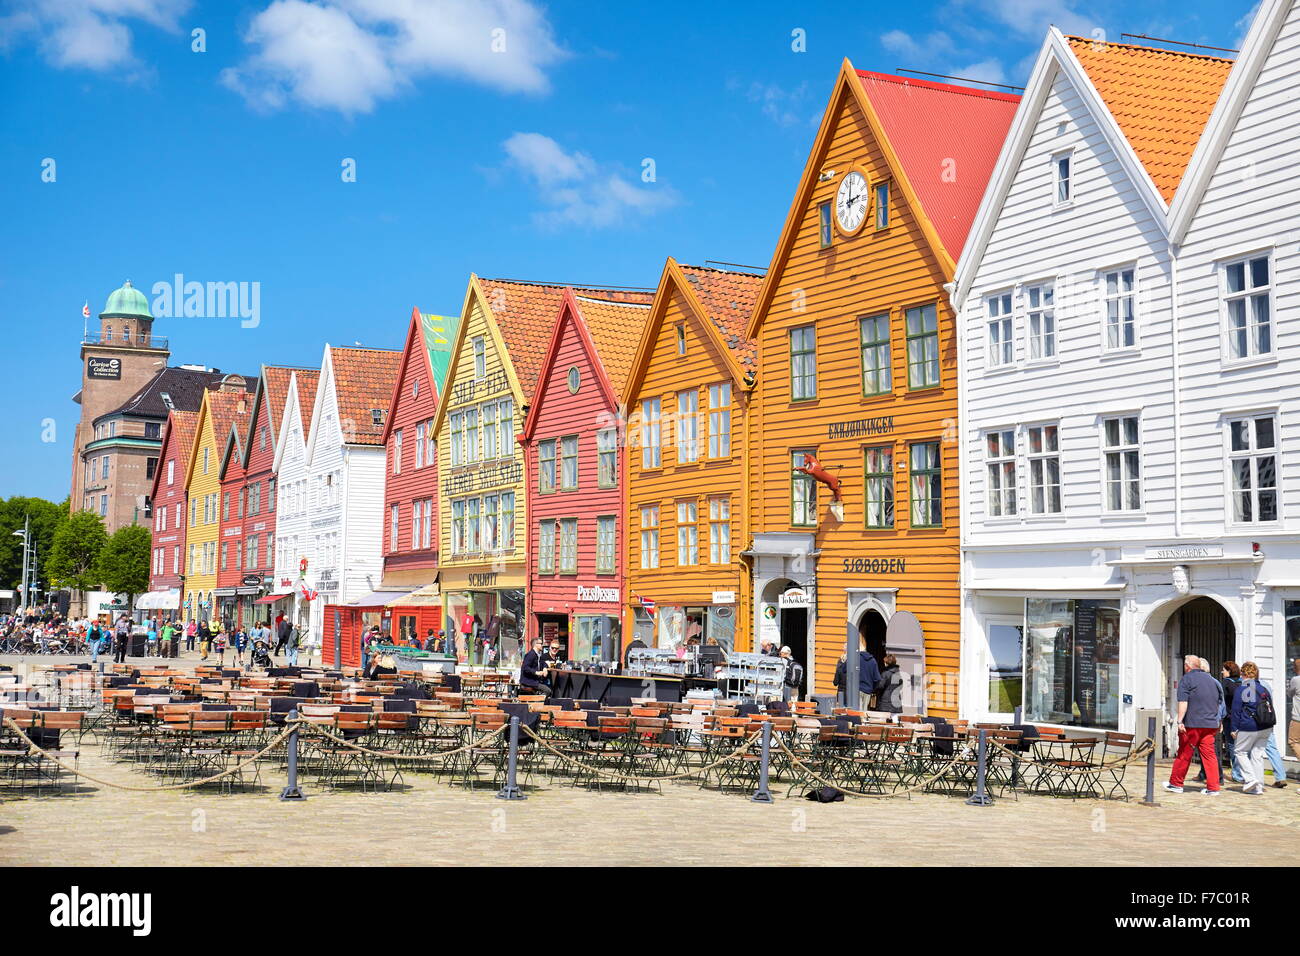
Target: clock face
{"type": "Point", "coordinates": [851, 202]}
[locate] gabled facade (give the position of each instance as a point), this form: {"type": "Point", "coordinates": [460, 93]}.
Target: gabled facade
{"type": "Point", "coordinates": [853, 474]}
{"type": "Point", "coordinates": [410, 516]}
{"type": "Point", "coordinates": [294, 551]}
{"type": "Point", "coordinates": [573, 442]}
{"type": "Point", "coordinates": [260, 496]}
{"type": "Point", "coordinates": [171, 509]}
{"type": "Point", "coordinates": [687, 404]}
{"type": "Point", "coordinates": [1070, 394]}
{"type": "Point", "coordinates": [1237, 363]}
{"type": "Point", "coordinates": [222, 408]}
{"type": "Point", "coordinates": [345, 485]}
{"type": "Point", "coordinates": [230, 544]}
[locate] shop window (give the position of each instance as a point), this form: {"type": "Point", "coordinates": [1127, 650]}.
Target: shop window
{"type": "Point", "coordinates": [1005, 665]}
{"type": "Point", "coordinates": [1071, 670]}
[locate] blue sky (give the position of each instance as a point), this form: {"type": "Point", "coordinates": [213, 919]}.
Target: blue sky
{"type": "Point", "coordinates": [523, 161]}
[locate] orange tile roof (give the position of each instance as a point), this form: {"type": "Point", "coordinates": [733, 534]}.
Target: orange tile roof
{"type": "Point", "coordinates": [729, 298]}
{"type": "Point", "coordinates": [526, 312]}
{"type": "Point", "coordinates": [1161, 100]}
{"type": "Point", "coordinates": [308, 379]}
{"type": "Point", "coordinates": [364, 380]}
{"type": "Point", "coordinates": [183, 425]}
{"type": "Point", "coordinates": [275, 391]}
{"type": "Point", "coordinates": [227, 409]}
{"type": "Point", "coordinates": [615, 329]}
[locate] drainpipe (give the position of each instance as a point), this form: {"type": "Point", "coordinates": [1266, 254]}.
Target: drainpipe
{"type": "Point", "coordinates": [1177, 379]}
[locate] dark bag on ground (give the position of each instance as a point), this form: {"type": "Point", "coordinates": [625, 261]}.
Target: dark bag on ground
{"type": "Point", "coordinates": [825, 795]}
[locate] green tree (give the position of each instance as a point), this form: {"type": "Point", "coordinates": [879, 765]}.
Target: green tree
{"type": "Point", "coordinates": [123, 563]}
{"type": "Point", "coordinates": [45, 517]}
{"type": "Point", "coordinates": [74, 554]}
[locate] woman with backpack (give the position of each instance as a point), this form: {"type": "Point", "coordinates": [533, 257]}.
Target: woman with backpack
{"type": "Point", "coordinates": [1253, 718]}
{"type": "Point", "coordinates": [889, 689]}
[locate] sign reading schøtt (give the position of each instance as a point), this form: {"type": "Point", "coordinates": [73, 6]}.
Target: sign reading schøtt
{"type": "Point", "coordinates": [103, 367]}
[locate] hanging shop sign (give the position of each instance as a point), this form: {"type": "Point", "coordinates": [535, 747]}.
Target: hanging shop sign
{"type": "Point", "coordinates": [252, 580]}
{"type": "Point", "coordinates": [795, 597]}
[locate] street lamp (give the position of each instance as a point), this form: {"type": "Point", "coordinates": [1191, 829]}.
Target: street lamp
{"type": "Point", "coordinates": [25, 535]}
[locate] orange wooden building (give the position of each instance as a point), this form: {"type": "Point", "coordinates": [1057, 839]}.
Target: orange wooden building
{"type": "Point", "coordinates": [857, 382]}
{"type": "Point", "coordinates": [686, 401]}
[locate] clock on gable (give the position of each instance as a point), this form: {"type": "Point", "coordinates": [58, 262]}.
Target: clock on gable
{"type": "Point", "coordinates": [851, 200]}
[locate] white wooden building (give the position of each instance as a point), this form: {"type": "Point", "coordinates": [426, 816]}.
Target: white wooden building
{"type": "Point", "coordinates": [1069, 399]}
{"type": "Point", "coordinates": [292, 542]}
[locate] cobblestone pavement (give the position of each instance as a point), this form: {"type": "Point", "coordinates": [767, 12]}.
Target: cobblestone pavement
{"type": "Point", "coordinates": [433, 823]}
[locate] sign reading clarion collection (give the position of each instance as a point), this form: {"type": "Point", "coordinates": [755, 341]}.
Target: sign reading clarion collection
{"type": "Point", "coordinates": [1183, 552]}
{"type": "Point", "coordinates": [103, 367]}
{"type": "Point", "coordinates": [860, 428]}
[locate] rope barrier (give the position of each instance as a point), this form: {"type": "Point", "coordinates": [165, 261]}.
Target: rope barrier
{"type": "Point", "coordinates": [861, 793]}
{"type": "Point", "coordinates": [1137, 755]}
{"type": "Point", "coordinates": [604, 772]}
{"type": "Point", "coordinates": [34, 749]}
{"type": "Point", "coordinates": [389, 755]}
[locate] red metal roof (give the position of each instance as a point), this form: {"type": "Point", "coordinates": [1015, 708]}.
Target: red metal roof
{"type": "Point", "coordinates": [947, 139]}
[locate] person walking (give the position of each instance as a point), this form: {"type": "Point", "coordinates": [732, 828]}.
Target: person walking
{"type": "Point", "coordinates": [121, 639]}
{"type": "Point", "coordinates": [92, 642]}
{"type": "Point", "coordinates": [868, 678]}
{"type": "Point", "coordinates": [291, 646]}
{"type": "Point", "coordinates": [241, 642]}
{"type": "Point", "coordinates": [1229, 678]}
{"type": "Point", "coordinates": [191, 630]}
{"type": "Point", "coordinates": [165, 639]}
{"type": "Point", "coordinates": [889, 689]}
{"type": "Point", "coordinates": [204, 634]}
{"type": "Point", "coordinates": [219, 645]}
{"type": "Point", "coordinates": [793, 680]}
{"type": "Point", "coordinates": [1253, 720]}
{"type": "Point", "coordinates": [282, 638]}
{"type": "Point", "coordinates": [1198, 720]}
{"type": "Point", "coordinates": [151, 638]}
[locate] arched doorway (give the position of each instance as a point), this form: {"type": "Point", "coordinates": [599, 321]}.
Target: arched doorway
{"type": "Point", "coordinates": [871, 633]}
{"type": "Point", "coordinates": [1205, 628]}
{"type": "Point", "coordinates": [787, 610]}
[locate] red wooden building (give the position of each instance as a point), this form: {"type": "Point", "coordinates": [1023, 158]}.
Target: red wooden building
{"type": "Point", "coordinates": [572, 440]}
{"type": "Point", "coordinates": [228, 603]}
{"type": "Point", "coordinates": [410, 542]}
{"type": "Point", "coordinates": [167, 558]}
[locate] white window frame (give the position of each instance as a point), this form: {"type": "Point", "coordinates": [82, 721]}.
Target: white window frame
{"type": "Point", "coordinates": [1032, 457]}
{"type": "Point", "coordinates": [1104, 297]}
{"type": "Point", "coordinates": [568, 545]}
{"type": "Point", "coordinates": [651, 433]}
{"type": "Point", "coordinates": [1123, 448]}
{"type": "Point", "coordinates": [720, 529]}
{"type": "Point", "coordinates": [479, 346]}
{"type": "Point", "coordinates": [649, 537]}
{"type": "Point", "coordinates": [1044, 312]}
{"type": "Point", "coordinates": [394, 519]}
{"type": "Point", "coordinates": [1247, 294]}
{"type": "Point", "coordinates": [1000, 501]}
{"type": "Point", "coordinates": [1059, 202]}
{"type": "Point", "coordinates": [1253, 454]}
{"type": "Point", "coordinates": [606, 544]}
{"type": "Point", "coordinates": [688, 532]}
{"type": "Point", "coordinates": [1002, 354]}
{"type": "Point", "coordinates": [547, 534]}
{"type": "Point", "coordinates": [688, 427]}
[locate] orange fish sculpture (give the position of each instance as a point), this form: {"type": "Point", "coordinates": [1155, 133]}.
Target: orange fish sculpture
{"type": "Point", "coordinates": [817, 471]}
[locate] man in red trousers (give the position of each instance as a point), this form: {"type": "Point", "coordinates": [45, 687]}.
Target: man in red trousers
{"type": "Point", "coordinates": [1199, 695]}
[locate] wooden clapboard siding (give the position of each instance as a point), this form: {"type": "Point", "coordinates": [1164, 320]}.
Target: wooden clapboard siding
{"type": "Point", "coordinates": [872, 273]}
{"type": "Point", "coordinates": [660, 372]}
{"type": "Point", "coordinates": [557, 412]}
{"type": "Point", "coordinates": [415, 401]}
{"type": "Point", "coordinates": [201, 482]}
{"type": "Point", "coordinates": [232, 520]}
{"type": "Point", "coordinates": [171, 509]}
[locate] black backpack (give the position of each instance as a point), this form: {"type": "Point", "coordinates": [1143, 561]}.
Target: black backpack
{"type": "Point", "coordinates": [1264, 715]}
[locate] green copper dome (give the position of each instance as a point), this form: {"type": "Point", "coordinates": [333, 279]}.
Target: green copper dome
{"type": "Point", "coordinates": [128, 301]}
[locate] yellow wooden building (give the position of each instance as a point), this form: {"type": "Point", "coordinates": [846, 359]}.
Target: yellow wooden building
{"type": "Point", "coordinates": [687, 399]}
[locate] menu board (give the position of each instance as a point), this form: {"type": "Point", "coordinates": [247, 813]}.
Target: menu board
{"type": "Point", "coordinates": [1085, 660]}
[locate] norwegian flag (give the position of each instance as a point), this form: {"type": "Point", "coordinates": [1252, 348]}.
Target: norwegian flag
{"type": "Point", "coordinates": [85, 310]}
{"type": "Point", "coordinates": [646, 603]}
{"type": "Point", "coordinates": [308, 594]}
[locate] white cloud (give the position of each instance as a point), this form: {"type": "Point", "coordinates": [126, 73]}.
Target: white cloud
{"type": "Point", "coordinates": [87, 34]}
{"type": "Point", "coordinates": [577, 190]}
{"type": "Point", "coordinates": [347, 55]}
{"type": "Point", "coordinates": [938, 53]}
{"type": "Point", "coordinates": [780, 105]}
{"type": "Point", "coordinates": [1031, 18]}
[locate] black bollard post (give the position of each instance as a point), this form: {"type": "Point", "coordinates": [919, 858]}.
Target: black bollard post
{"type": "Point", "coordinates": [762, 795]}
{"type": "Point", "coordinates": [980, 797]}
{"type": "Point", "coordinates": [292, 791]}
{"type": "Point", "coordinates": [511, 790]}
{"type": "Point", "coordinates": [1150, 801]}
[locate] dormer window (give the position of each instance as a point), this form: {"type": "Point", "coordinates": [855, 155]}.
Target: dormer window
{"type": "Point", "coordinates": [377, 417]}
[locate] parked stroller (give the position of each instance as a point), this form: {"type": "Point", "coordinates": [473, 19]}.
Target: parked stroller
{"type": "Point", "coordinates": [260, 656]}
